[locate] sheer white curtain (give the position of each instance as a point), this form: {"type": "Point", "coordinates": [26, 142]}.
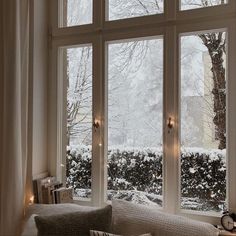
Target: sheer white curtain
{"type": "Point", "coordinates": [15, 114]}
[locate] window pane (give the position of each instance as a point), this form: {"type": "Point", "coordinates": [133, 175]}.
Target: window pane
{"type": "Point", "coordinates": [78, 71]}
{"type": "Point", "coordinates": [121, 9]}
{"type": "Point", "coordinates": [135, 103]}
{"type": "Point", "coordinates": [203, 122]}
{"type": "Point", "coordinates": [192, 4]}
{"type": "Point", "coordinates": [76, 12]}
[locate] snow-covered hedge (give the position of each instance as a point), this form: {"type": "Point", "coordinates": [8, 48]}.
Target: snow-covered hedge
{"type": "Point", "coordinates": [203, 173]}
{"type": "Point", "coordinates": [78, 167]}
{"type": "Point", "coordinates": [135, 170]}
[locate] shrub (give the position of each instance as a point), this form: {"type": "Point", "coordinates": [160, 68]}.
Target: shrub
{"type": "Point", "coordinates": [203, 174]}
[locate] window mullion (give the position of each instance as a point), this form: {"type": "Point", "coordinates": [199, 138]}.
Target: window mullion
{"type": "Point", "coordinates": [98, 12]}
{"type": "Point", "coordinates": [231, 117]}
{"type": "Point", "coordinates": [170, 111]}
{"type": "Point", "coordinates": [98, 174]}
{"type": "Point", "coordinates": [170, 9]}
{"type": "Point", "coordinates": [98, 144]}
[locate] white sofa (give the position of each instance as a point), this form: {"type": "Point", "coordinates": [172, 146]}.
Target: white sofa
{"type": "Point", "coordinates": [129, 219]}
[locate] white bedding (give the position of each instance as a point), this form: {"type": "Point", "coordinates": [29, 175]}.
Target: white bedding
{"type": "Point", "coordinates": [128, 219]}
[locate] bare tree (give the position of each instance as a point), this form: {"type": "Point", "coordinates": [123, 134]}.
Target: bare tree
{"type": "Point", "coordinates": [215, 43]}
{"type": "Point", "coordinates": [79, 93]}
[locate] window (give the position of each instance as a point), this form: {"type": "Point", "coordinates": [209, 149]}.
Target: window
{"type": "Point", "coordinates": [78, 71]}
{"type": "Point", "coordinates": [135, 146]}
{"type": "Point", "coordinates": [122, 9]}
{"type": "Point", "coordinates": [192, 4]}
{"type": "Point", "coordinates": [145, 103]}
{"type": "Point", "coordinates": [203, 121]}
{"type": "Point", "coordinates": [75, 12]}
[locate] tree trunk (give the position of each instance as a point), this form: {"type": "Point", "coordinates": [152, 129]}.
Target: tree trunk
{"type": "Point", "coordinates": [215, 44]}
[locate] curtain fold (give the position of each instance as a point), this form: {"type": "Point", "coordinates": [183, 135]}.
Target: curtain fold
{"type": "Point", "coordinates": [15, 159]}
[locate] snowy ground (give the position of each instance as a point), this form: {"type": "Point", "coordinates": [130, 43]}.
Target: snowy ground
{"type": "Point", "coordinates": [134, 196]}
{"type": "Point", "coordinates": [143, 198]}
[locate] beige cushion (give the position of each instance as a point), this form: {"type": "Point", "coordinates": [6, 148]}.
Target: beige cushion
{"type": "Point", "coordinates": [132, 219]}
{"type": "Point", "coordinates": [74, 224]}
{"type": "Point", "coordinates": [47, 210]}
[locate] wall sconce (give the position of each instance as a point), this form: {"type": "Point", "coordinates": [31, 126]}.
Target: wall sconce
{"type": "Point", "coordinates": [31, 200]}
{"type": "Point", "coordinates": [170, 124]}
{"type": "Point", "coordinates": [96, 124]}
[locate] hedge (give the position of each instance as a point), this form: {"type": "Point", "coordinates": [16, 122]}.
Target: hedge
{"type": "Point", "coordinates": [203, 174]}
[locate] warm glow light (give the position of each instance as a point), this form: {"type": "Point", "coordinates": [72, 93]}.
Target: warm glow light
{"type": "Point", "coordinates": [97, 121]}
{"type": "Point", "coordinates": [170, 123]}
{"type": "Point", "coordinates": [31, 200]}
{"type": "Point", "coordinates": [100, 144]}
{"type": "Point", "coordinates": [62, 165]}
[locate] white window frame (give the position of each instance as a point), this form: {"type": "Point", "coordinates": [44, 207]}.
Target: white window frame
{"type": "Point", "coordinates": [170, 24]}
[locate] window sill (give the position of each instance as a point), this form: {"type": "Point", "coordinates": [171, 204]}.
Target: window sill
{"type": "Point", "coordinates": [209, 217]}
{"type": "Point", "coordinates": [227, 233]}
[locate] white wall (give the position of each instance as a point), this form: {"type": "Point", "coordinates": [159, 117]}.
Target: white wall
{"type": "Point", "coordinates": [40, 78]}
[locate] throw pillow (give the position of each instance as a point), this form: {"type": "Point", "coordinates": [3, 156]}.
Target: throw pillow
{"type": "Point", "coordinates": [134, 219]}
{"type": "Point", "coordinates": [74, 224]}
{"type": "Point", "coordinates": [100, 233]}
